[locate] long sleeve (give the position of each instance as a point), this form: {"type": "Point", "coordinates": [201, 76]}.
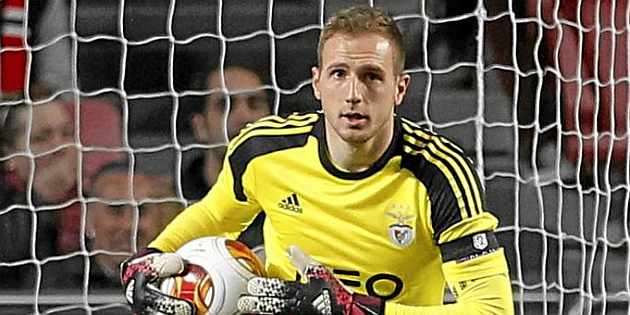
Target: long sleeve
{"type": "Point", "coordinates": [219, 213]}
{"type": "Point", "coordinates": [194, 222]}
{"type": "Point", "coordinates": [481, 286]}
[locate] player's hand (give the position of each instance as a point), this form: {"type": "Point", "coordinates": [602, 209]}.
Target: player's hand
{"type": "Point", "coordinates": [141, 271]}
{"type": "Point", "coordinates": [322, 294]}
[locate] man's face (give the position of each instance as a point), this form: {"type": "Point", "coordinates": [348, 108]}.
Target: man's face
{"type": "Point", "coordinates": [246, 104]}
{"type": "Point", "coordinates": [358, 85]}
{"type": "Point", "coordinates": [52, 130]}
{"type": "Point", "coordinates": [112, 222]}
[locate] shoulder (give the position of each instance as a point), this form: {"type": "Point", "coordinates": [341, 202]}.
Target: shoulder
{"type": "Point", "coordinates": [422, 146]}
{"type": "Point", "coordinates": [268, 135]}
{"type": "Point", "coordinates": [452, 183]}
{"type": "Point", "coordinates": [296, 123]}
{"type": "Point", "coordinates": [273, 133]}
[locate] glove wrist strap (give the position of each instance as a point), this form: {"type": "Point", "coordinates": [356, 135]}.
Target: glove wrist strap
{"type": "Point", "coordinates": [367, 305]}
{"type": "Point", "coordinates": [153, 299]}
{"type": "Point", "coordinates": [127, 273]}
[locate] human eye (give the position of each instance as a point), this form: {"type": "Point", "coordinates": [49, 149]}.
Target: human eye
{"type": "Point", "coordinates": [117, 209]}
{"type": "Point", "coordinates": [218, 102]}
{"type": "Point", "coordinates": [68, 132]}
{"type": "Point", "coordinates": [256, 101]}
{"type": "Point", "coordinates": [144, 208]}
{"type": "Point", "coordinates": [40, 137]}
{"type": "Point", "coordinates": [337, 73]}
{"type": "Point", "coordinates": [373, 76]}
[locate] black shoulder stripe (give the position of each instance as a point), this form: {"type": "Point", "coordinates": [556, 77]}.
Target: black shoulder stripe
{"type": "Point", "coordinates": [453, 147]}
{"type": "Point", "coordinates": [255, 147]}
{"type": "Point", "coordinates": [467, 165]}
{"type": "Point", "coordinates": [469, 247]}
{"type": "Point", "coordinates": [476, 179]}
{"type": "Point", "coordinates": [456, 180]}
{"type": "Point", "coordinates": [292, 117]}
{"type": "Point", "coordinates": [469, 181]}
{"type": "Point", "coordinates": [439, 190]}
{"type": "Point", "coordinates": [276, 122]}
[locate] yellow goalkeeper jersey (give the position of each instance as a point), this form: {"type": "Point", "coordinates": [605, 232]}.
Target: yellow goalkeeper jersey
{"type": "Point", "coordinates": [396, 230]}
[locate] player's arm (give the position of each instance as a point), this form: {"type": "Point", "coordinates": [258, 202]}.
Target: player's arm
{"type": "Point", "coordinates": [220, 212]}
{"type": "Point", "coordinates": [474, 265]}
{"type": "Point", "coordinates": [194, 222]}
{"type": "Point", "coordinates": [476, 271]}
{"type": "Point", "coordinates": [480, 283]}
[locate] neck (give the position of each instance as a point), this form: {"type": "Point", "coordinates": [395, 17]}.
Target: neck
{"type": "Point", "coordinates": [357, 157]}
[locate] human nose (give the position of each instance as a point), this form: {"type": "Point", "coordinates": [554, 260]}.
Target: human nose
{"type": "Point", "coordinates": [353, 96]}
{"type": "Point", "coordinates": [125, 222]}
{"type": "Point", "coordinates": [59, 138]}
{"type": "Point", "coordinates": [124, 215]}
{"type": "Point", "coordinates": [239, 112]}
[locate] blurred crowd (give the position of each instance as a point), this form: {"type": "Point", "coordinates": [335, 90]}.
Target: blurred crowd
{"type": "Point", "coordinates": [52, 183]}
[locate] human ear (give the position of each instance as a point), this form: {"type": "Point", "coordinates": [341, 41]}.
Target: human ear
{"type": "Point", "coordinates": [402, 83]}
{"type": "Point", "coordinates": [199, 127]}
{"type": "Point", "coordinates": [315, 82]}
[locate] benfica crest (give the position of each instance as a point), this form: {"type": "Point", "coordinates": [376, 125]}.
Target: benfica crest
{"type": "Point", "coordinates": [401, 233]}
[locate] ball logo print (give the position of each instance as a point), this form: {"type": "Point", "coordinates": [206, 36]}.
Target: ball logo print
{"type": "Point", "coordinates": [195, 286]}
{"type": "Point", "coordinates": [217, 271]}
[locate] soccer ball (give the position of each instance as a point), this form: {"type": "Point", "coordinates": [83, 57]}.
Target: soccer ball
{"type": "Point", "coordinates": [217, 270]}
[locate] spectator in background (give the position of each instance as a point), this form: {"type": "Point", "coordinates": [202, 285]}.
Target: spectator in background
{"type": "Point", "coordinates": [49, 146]}
{"type": "Point", "coordinates": [111, 219]}
{"type": "Point", "coordinates": [597, 51]}
{"type": "Point", "coordinates": [39, 136]}
{"type": "Point", "coordinates": [587, 46]}
{"type": "Point", "coordinates": [573, 123]}
{"type": "Point", "coordinates": [583, 51]}
{"type": "Point", "coordinates": [40, 168]}
{"type": "Point", "coordinates": [203, 172]}
{"type": "Point", "coordinates": [247, 103]}
{"type": "Point", "coordinates": [34, 23]}
{"type": "Point", "coordinates": [100, 131]}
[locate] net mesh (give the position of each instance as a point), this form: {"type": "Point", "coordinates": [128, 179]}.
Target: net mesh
{"type": "Point", "coordinates": [536, 92]}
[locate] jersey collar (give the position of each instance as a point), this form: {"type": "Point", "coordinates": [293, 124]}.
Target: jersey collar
{"type": "Point", "coordinates": [394, 148]}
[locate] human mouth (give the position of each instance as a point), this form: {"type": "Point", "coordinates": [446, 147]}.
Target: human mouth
{"type": "Point", "coordinates": [53, 157]}
{"type": "Point", "coordinates": [354, 119]}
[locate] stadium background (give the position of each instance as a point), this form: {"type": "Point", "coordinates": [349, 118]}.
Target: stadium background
{"type": "Point", "coordinates": [149, 58]}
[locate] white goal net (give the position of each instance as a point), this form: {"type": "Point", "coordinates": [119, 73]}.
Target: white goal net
{"type": "Point", "coordinates": [535, 91]}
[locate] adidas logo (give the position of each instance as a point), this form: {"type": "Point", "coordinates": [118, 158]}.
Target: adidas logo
{"type": "Point", "coordinates": [290, 203]}
{"type": "Point", "coordinates": [322, 303]}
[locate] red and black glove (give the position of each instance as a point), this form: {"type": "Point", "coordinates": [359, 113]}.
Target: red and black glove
{"type": "Point", "coordinates": [139, 275]}
{"type": "Point", "coordinates": [322, 294]}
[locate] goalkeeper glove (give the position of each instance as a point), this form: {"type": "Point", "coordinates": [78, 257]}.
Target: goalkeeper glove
{"type": "Point", "coordinates": [322, 294]}
{"type": "Point", "coordinates": [138, 274]}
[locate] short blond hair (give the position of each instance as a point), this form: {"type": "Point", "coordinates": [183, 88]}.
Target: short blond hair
{"type": "Point", "coordinates": [363, 19]}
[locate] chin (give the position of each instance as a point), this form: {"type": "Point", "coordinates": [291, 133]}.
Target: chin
{"type": "Point", "coordinates": [355, 137]}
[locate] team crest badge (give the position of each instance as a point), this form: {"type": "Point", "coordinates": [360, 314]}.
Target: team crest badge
{"type": "Point", "coordinates": [401, 233]}
{"type": "Point", "coordinates": [480, 241]}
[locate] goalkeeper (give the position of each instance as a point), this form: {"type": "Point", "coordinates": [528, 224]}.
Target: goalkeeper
{"type": "Point", "coordinates": [388, 212]}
